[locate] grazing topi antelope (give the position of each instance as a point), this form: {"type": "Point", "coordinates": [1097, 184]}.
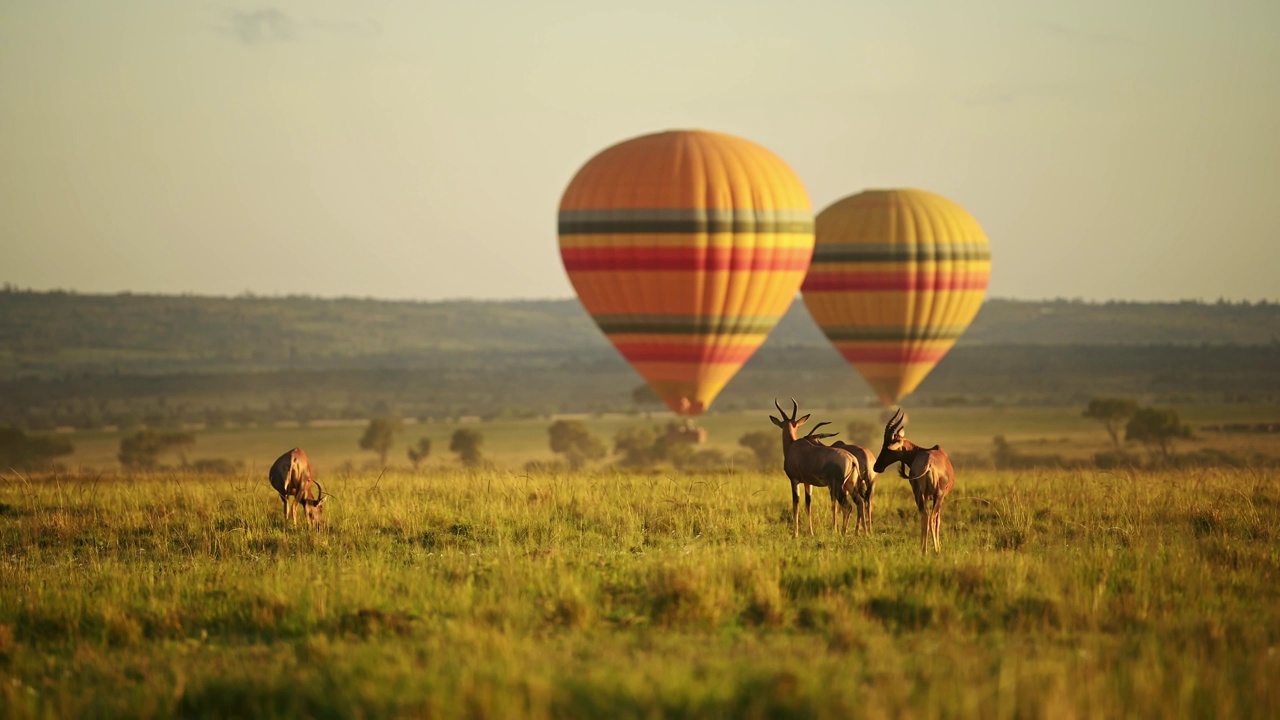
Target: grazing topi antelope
{"type": "Point", "coordinates": [291, 476]}
{"type": "Point", "coordinates": [927, 469]}
{"type": "Point", "coordinates": [810, 463]}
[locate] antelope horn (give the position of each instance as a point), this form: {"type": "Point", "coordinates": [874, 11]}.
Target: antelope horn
{"type": "Point", "coordinates": [319, 490]}
{"type": "Point", "coordinates": [815, 429]}
{"type": "Point", "coordinates": [823, 436]}
{"type": "Point", "coordinates": [781, 412]}
{"type": "Point", "coordinates": [893, 423]}
{"type": "Point", "coordinates": [795, 409]}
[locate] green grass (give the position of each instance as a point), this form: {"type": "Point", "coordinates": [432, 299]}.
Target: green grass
{"type": "Point", "coordinates": [494, 594]}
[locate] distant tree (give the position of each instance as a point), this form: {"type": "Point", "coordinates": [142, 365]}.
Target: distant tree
{"type": "Point", "coordinates": [644, 447]}
{"type": "Point", "coordinates": [466, 442]}
{"type": "Point", "coordinates": [705, 460]}
{"type": "Point", "coordinates": [860, 432]}
{"type": "Point", "coordinates": [419, 452]}
{"type": "Point", "coordinates": [764, 445]}
{"type": "Point", "coordinates": [141, 450]}
{"type": "Point", "coordinates": [379, 436]}
{"type": "Point", "coordinates": [1007, 457]}
{"type": "Point", "coordinates": [574, 440]}
{"type": "Point", "coordinates": [180, 442]}
{"type": "Point", "coordinates": [44, 449]}
{"type": "Point", "coordinates": [1157, 428]}
{"type": "Point", "coordinates": [1004, 455]}
{"type": "Point", "coordinates": [1112, 413]}
{"type": "Point", "coordinates": [89, 417]}
{"type": "Point", "coordinates": [18, 450]}
{"type": "Point", "coordinates": [643, 395]}
{"type": "Point", "coordinates": [215, 417]}
{"type": "Point", "coordinates": [638, 446]}
{"type": "Point", "coordinates": [217, 466]}
{"type": "Point", "coordinates": [138, 451]}
{"type": "Point", "coordinates": [39, 418]}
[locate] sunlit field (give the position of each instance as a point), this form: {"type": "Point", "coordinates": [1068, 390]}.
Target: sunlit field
{"type": "Point", "coordinates": [503, 594]}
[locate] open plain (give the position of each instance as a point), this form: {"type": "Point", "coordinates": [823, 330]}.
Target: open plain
{"type": "Point", "coordinates": [504, 593]}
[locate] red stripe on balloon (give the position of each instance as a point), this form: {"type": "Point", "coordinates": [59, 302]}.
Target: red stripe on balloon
{"type": "Point", "coordinates": [691, 259]}
{"type": "Point", "coordinates": [894, 281]}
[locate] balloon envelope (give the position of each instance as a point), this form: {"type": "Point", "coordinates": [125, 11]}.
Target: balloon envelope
{"type": "Point", "coordinates": [897, 276]}
{"type": "Point", "coordinates": [686, 247]}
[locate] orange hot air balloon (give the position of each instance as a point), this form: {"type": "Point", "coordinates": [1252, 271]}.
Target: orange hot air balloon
{"type": "Point", "coordinates": [897, 276]}
{"type": "Point", "coordinates": [686, 247]}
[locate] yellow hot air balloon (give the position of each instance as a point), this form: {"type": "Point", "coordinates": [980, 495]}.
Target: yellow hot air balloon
{"type": "Point", "coordinates": [686, 247]}
{"type": "Point", "coordinates": [897, 276]}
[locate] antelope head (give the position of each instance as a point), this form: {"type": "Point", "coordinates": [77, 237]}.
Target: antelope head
{"type": "Point", "coordinates": [314, 508]}
{"type": "Point", "coordinates": [895, 441]}
{"type": "Point", "coordinates": [789, 424]}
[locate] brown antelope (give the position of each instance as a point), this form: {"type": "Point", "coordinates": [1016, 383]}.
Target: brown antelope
{"type": "Point", "coordinates": [866, 482]}
{"type": "Point", "coordinates": [927, 469]}
{"type": "Point", "coordinates": [810, 463]}
{"type": "Point", "coordinates": [866, 485]}
{"type": "Point", "coordinates": [291, 476]}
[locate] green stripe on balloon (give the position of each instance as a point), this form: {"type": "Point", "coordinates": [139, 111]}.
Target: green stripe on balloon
{"type": "Point", "coordinates": [686, 324]}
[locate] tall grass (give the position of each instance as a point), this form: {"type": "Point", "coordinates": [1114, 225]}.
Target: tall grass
{"type": "Point", "coordinates": [493, 594]}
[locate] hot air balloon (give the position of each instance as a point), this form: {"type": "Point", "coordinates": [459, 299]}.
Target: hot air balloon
{"type": "Point", "coordinates": [897, 276]}
{"type": "Point", "coordinates": [686, 247]}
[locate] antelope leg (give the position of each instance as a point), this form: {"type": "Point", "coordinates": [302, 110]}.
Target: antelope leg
{"type": "Point", "coordinates": [795, 512]}
{"type": "Point", "coordinates": [924, 532]}
{"type": "Point", "coordinates": [870, 490]}
{"type": "Point", "coordinates": [808, 507]}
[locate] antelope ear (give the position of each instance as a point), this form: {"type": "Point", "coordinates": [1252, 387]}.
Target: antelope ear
{"type": "Point", "coordinates": [776, 421]}
{"type": "Point", "coordinates": [802, 420]}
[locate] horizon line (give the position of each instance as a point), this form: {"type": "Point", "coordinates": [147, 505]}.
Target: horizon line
{"type": "Point", "coordinates": [11, 288]}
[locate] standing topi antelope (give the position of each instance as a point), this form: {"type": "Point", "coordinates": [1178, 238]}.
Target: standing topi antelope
{"type": "Point", "coordinates": [810, 463]}
{"type": "Point", "coordinates": [291, 476]}
{"type": "Point", "coordinates": [866, 485]}
{"type": "Point", "coordinates": [928, 470]}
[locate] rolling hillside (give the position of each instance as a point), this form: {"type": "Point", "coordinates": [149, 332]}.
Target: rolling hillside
{"type": "Point", "coordinates": [89, 361]}
{"type": "Point", "coordinates": [47, 334]}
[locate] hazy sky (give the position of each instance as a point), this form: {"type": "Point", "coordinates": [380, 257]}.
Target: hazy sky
{"type": "Point", "coordinates": [418, 149]}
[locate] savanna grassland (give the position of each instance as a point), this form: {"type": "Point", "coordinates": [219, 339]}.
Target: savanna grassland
{"type": "Point", "coordinates": [501, 594]}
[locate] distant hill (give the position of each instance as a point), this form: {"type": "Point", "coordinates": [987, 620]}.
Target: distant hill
{"type": "Point", "coordinates": [1066, 322]}
{"type": "Point", "coordinates": [94, 360]}
{"type": "Point", "coordinates": [44, 334]}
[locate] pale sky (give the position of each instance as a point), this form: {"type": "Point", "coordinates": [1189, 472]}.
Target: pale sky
{"type": "Point", "coordinates": [417, 149]}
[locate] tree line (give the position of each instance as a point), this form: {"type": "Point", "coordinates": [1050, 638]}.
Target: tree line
{"type": "Point", "coordinates": [646, 446]}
